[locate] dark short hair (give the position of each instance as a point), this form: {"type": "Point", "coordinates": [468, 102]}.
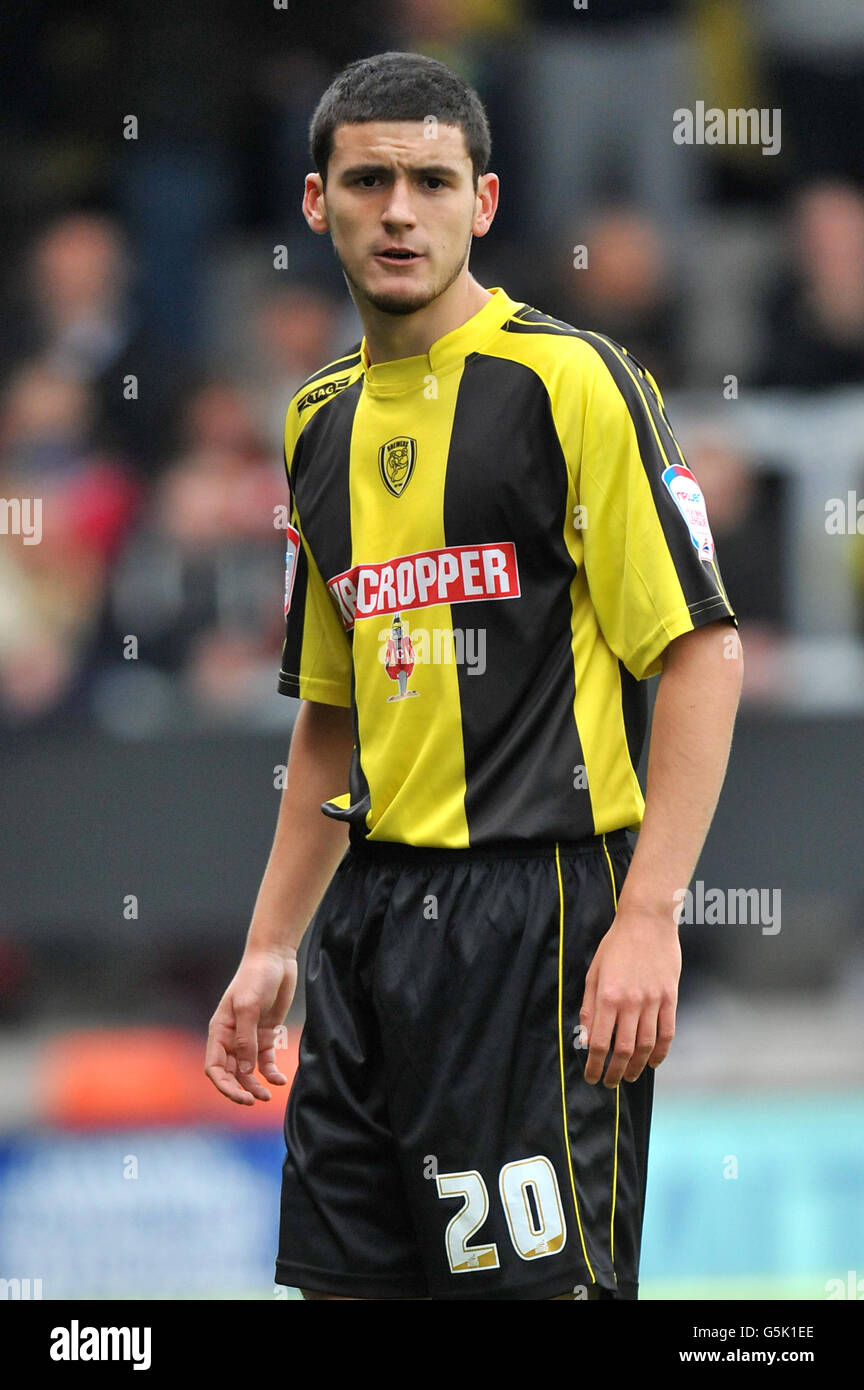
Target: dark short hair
{"type": "Point", "coordinates": [400, 87]}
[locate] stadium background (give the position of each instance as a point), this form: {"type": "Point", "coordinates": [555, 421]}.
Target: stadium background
{"type": "Point", "coordinates": [160, 299]}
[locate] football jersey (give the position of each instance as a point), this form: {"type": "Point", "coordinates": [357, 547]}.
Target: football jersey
{"type": "Point", "coordinates": [490, 546]}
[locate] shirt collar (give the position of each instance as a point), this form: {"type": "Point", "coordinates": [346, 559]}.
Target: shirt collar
{"type": "Point", "coordinates": [402, 373]}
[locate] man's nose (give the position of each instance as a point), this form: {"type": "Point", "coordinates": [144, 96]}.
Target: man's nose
{"type": "Point", "coordinates": [399, 206]}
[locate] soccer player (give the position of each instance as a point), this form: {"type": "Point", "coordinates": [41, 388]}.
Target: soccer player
{"type": "Point", "coordinates": [494, 540]}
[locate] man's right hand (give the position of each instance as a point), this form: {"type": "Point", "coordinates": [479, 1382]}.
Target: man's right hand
{"type": "Point", "coordinates": [307, 848]}
{"type": "Point", "coordinates": [243, 1029]}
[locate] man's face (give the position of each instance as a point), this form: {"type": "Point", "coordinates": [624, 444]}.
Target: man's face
{"type": "Point", "coordinates": [391, 186]}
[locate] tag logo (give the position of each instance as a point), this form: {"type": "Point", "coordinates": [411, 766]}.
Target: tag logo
{"type": "Point", "coordinates": [396, 460]}
{"type": "Point", "coordinates": [687, 496]}
{"type": "Point", "coordinates": [321, 393]}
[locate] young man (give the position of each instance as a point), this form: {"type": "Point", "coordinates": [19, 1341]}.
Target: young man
{"type": "Point", "coordinates": [494, 540]}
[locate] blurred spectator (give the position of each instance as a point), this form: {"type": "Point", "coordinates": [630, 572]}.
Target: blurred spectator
{"type": "Point", "coordinates": [199, 586]}
{"type": "Point", "coordinates": [814, 314]}
{"type": "Point", "coordinates": [296, 332]}
{"type": "Point", "coordinates": [52, 590]}
{"type": "Point", "coordinates": [604, 80]}
{"type": "Point", "coordinates": [625, 289]}
{"type": "Point", "coordinates": [76, 315]}
{"type": "Point", "coordinates": [79, 282]}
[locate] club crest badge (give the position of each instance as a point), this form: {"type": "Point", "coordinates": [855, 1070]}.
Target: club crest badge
{"type": "Point", "coordinates": [396, 460]}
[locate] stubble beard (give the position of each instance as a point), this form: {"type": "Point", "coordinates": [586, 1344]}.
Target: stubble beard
{"type": "Point", "coordinates": [401, 305]}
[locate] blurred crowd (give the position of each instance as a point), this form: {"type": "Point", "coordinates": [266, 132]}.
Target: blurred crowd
{"type": "Point", "coordinates": [151, 336]}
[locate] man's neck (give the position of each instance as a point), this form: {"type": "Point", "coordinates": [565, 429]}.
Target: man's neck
{"type": "Point", "coordinates": [390, 336]}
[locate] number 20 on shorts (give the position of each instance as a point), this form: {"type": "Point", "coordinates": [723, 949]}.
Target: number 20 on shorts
{"type": "Point", "coordinates": [532, 1204]}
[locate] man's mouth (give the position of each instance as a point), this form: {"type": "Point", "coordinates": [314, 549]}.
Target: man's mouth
{"type": "Point", "coordinates": [397, 253]}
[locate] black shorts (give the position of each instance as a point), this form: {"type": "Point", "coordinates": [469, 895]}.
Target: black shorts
{"type": "Point", "coordinates": [441, 1139]}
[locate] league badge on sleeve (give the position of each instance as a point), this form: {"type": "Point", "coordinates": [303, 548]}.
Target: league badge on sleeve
{"type": "Point", "coordinates": [292, 541]}
{"type": "Point", "coordinates": [687, 496]}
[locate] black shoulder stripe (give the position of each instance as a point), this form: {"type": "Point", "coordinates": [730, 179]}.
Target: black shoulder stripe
{"type": "Point", "coordinates": [618, 359]}
{"type": "Point", "coordinates": [658, 447]}
{"type": "Point", "coordinates": [629, 377]}
{"type": "Point", "coordinates": [351, 358]}
{"type": "Point", "coordinates": [624, 352]}
{"type": "Point", "coordinates": [549, 329]}
{"type": "Point", "coordinates": [530, 320]}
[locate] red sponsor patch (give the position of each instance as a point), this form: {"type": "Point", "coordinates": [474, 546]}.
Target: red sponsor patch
{"type": "Point", "coordinates": [452, 574]}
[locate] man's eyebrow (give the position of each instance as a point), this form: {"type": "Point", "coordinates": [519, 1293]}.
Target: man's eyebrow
{"type": "Point", "coordinates": [427, 170]}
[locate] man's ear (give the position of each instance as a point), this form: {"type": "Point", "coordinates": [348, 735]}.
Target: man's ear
{"type": "Point", "coordinates": [488, 189]}
{"type": "Point", "coordinates": [314, 205]}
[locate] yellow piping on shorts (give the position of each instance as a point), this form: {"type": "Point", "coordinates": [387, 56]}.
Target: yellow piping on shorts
{"type": "Point", "coordinates": [561, 1058]}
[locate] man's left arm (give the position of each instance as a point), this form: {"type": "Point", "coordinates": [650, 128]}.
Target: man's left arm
{"type": "Point", "coordinates": [631, 988]}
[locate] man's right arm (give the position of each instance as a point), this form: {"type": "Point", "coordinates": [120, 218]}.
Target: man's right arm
{"type": "Point", "coordinates": [307, 847]}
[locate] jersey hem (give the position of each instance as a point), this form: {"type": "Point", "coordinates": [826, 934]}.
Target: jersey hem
{"type": "Point", "coordinates": [644, 661]}
{"type": "Point", "coordinates": [313, 689]}
{"type": "Point", "coordinates": [401, 851]}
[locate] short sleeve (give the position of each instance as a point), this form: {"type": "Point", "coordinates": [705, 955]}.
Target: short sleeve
{"type": "Point", "coordinates": [316, 653]}
{"type": "Point", "coordinates": [649, 555]}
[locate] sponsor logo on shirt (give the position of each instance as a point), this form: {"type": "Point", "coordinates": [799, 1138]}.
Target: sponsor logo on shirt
{"type": "Point", "coordinates": [451, 574]}
{"type": "Point", "coordinates": [321, 393]}
{"type": "Point", "coordinates": [687, 495]}
{"type": "Point", "coordinates": [399, 661]}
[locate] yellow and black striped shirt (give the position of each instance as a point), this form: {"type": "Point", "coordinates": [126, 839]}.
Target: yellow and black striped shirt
{"type": "Point", "coordinates": [491, 545]}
